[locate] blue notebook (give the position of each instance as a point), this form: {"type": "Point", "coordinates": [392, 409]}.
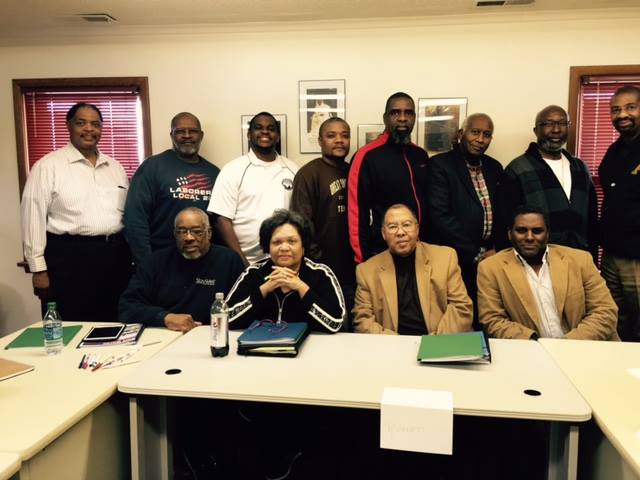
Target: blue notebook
{"type": "Point", "coordinates": [264, 337]}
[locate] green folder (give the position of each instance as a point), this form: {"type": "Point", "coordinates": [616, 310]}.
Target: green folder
{"type": "Point", "coordinates": [33, 337]}
{"type": "Point", "coordinates": [471, 347]}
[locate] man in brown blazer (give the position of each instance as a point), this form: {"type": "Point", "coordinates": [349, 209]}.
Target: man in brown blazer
{"type": "Point", "coordinates": [538, 290]}
{"type": "Point", "coordinates": [411, 288]}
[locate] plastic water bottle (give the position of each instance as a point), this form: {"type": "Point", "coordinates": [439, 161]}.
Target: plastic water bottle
{"type": "Point", "coordinates": [52, 328]}
{"type": "Point", "coordinates": [219, 326]}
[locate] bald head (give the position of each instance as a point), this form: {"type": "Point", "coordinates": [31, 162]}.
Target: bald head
{"type": "Point", "coordinates": [475, 135]}
{"type": "Point", "coordinates": [548, 110]}
{"type": "Point", "coordinates": [184, 115]}
{"type": "Point", "coordinates": [470, 120]}
{"type": "Point", "coordinates": [186, 135]}
{"type": "Point", "coordinates": [552, 130]}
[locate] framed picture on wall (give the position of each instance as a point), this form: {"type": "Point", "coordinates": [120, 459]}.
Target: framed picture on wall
{"type": "Point", "coordinates": [368, 132]}
{"type": "Point", "coordinates": [438, 121]}
{"type": "Point", "coordinates": [281, 146]}
{"type": "Point", "coordinates": [319, 101]}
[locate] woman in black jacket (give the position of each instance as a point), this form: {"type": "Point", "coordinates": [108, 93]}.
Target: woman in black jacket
{"type": "Point", "coordinates": [287, 286]}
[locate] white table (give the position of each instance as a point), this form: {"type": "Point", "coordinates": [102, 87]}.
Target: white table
{"type": "Point", "coordinates": [600, 372]}
{"type": "Point", "coordinates": [9, 464]}
{"type": "Point", "coordinates": [66, 410]}
{"type": "Point", "coordinates": [351, 370]}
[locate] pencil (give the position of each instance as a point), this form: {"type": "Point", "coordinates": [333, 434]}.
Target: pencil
{"type": "Point", "coordinates": [82, 361]}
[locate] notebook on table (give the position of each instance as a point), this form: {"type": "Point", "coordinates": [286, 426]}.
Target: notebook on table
{"type": "Point", "coordinates": [34, 337]}
{"type": "Point", "coordinates": [465, 347]}
{"type": "Point", "coordinates": [9, 368]}
{"type": "Point", "coordinates": [112, 335]}
{"type": "Point", "coordinates": [267, 338]}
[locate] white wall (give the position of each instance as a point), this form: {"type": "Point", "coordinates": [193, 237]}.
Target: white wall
{"type": "Point", "coordinates": [509, 66]}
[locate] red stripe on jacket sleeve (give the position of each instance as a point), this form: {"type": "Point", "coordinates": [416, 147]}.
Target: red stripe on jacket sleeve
{"type": "Point", "coordinates": [354, 207]}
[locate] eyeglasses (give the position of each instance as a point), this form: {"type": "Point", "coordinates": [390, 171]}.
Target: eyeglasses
{"type": "Point", "coordinates": [186, 131]}
{"type": "Point", "coordinates": [551, 123]}
{"type": "Point", "coordinates": [195, 232]}
{"type": "Point", "coordinates": [394, 227]}
{"type": "Point", "coordinates": [274, 327]}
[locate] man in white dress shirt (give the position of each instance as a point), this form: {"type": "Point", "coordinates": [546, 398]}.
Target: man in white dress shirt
{"type": "Point", "coordinates": [536, 289]}
{"type": "Point", "coordinates": [251, 187]}
{"type": "Point", "coordinates": [72, 209]}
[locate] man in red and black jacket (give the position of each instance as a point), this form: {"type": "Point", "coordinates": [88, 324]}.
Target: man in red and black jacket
{"type": "Point", "coordinates": [385, 172]}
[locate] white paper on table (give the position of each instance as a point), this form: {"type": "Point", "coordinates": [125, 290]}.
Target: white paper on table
{"type": "Point", "coordinates": [634, 372]}
{"type": "Point", "coordinates": [416, 420]}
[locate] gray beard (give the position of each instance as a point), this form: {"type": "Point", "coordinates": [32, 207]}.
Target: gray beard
{"type": "Point", "coordinates": [550, 147]}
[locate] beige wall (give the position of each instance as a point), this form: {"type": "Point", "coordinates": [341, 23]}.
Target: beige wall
{"type": "Point", "coordinates": [508, 66]}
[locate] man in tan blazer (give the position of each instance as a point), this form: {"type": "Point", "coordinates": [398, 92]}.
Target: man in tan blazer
{"type": "Point", "coordinates": [538, 290]}
{"type": "Point", "coordinates": [412, 287]}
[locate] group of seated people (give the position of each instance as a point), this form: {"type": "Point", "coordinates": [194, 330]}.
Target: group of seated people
{"type": "Point", "coordinates": [529, 290]}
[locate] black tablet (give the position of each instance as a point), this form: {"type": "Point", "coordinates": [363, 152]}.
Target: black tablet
{"type": "Point", "coordinates": [104, 333]}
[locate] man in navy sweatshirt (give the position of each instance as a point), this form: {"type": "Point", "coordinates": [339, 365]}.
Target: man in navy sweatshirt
{"type": "Point", "coordinates": [174, 287]}
{"type": "Point", "coordinates": [165, 184]}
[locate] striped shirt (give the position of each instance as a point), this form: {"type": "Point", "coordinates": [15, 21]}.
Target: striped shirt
{"type": "Point", "coordinates": [66, 194]}
{"type": "Point", "coordinates": [479, 183]}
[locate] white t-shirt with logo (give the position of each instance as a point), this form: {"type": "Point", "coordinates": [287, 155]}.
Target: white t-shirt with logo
{"type": "Point", "coordinates": [247, 191]}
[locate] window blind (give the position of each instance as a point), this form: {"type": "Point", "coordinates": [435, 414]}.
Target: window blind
{"type": "Point", "coordinates": [122, 136]}
{"type": "Point", "coordinates": [595, 131]}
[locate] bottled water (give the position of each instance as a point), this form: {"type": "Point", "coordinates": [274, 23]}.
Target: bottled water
{"type": "Point", "coordinates": [219, 326]}
{"type": "Point", "coordinates": [52, 328]}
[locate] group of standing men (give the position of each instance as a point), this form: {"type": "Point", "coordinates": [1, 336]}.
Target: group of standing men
{"type": "Point", "coordinates": [390, 196]}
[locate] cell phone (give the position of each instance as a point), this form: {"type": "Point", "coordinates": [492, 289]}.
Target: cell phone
{"type": "Point", "coordinates": [104, 333]}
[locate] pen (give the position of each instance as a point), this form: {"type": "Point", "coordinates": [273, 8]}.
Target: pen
{"type": "Point", "coordinates": [82, 361]}
{"type": "Point", "coordinates": [122, 364]}
{"type": "Point", "coordinates": [152, 343]}
{"type": "Point", "coordinates": [104, 362]}
{"type": "Point", "coordinates": [87, 361]}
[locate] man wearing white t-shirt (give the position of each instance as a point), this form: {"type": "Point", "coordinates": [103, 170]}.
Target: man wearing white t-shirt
{"type": "Point", "coordinates": [251, 187]}
{"type": "Point", "coordinates": [548, 177]}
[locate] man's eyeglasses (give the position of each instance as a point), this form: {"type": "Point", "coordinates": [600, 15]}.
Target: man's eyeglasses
{"type": "Point", "coordinates": [551, 123]}
{"type": "Point", "coordinates": [186, 131]}
{"type": "Point", "coordinates": [195, 232]}
{"type": "Point", "coordinates": [394, 227]}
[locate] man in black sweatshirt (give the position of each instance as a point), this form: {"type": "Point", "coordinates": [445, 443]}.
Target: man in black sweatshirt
{"type": "Point", "coordinates": [174, 287]}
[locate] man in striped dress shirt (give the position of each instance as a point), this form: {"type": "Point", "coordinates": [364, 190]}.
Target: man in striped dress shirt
{"type": "Point", "coordinates": [72, 209]}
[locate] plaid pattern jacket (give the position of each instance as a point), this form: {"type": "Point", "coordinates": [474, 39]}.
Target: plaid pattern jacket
{"type": "Point", "coordinates": [573, 222]}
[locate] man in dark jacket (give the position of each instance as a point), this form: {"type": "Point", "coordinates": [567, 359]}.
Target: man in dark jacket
{"type": "Point", "coordinates": [620, 179]}
{"type": "Point", "coordinates": [385, 172]}
{"type": "Point", "coordinates": [547, 177]}
{"type": "Point", "coordinates": [462, 198]}
{"type": "Point", "coordinates": [174, 287]}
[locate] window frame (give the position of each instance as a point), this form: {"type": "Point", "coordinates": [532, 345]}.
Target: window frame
{"type": "Point", "coordinates": [576, 74]}
{"type": "Point", "coordinates": [20, 85]}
